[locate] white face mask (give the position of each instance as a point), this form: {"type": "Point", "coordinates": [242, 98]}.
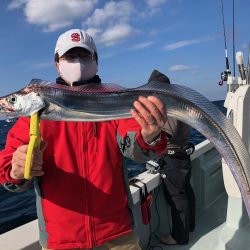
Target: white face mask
{"type": "Point", "coordinates": [77, 70]}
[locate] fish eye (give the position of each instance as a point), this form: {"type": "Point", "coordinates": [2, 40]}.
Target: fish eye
{"type": "Point", "coordinates": [12, 99]}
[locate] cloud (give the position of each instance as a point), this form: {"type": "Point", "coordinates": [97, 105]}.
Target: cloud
{"type": "Point", "coordinates": [16, 4]}
{"type": "Point", "coordinates": [181, 44]}
{"type": "Point", "coordinates": [95, 32]}
{"type": "Point", "coordinates": [185, 43]}
{"type": "Point", "coordinates": [142, 45]}
{"type": "Point", "coordinates": [135, 47]}
{"type": "Point", "coordinates": [180, 67]}
{"type": "Point", "coordinates": [112, 35]}
{"type": "Point", "coordinates": [154, 6]}
{"type": "Point", "coordinates": [111, 13]}
{"type": "Point", "coordinates": [111, 23]}
{"type": "Point", "coordinates": [155, 3]}
{"type": "Point", "coordinates": [53, 14]}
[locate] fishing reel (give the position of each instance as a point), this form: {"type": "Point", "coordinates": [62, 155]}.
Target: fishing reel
{"type": "Point", "coordinates": [224, 77]}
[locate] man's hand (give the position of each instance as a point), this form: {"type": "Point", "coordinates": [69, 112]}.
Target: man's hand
{"type": "Point", "coordinates": [18, 162]}
{"type": "Point", "coordinates": [150, 113]}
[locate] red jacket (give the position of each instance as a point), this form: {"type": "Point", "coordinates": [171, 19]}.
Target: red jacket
{"type": "Point", "coordinates": [82, 198]}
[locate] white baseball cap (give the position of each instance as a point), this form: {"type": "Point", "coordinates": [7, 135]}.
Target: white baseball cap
{"type": "Point", "coordinates": [74, 38]}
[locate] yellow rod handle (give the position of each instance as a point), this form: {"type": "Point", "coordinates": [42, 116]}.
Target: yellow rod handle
{"type": "Point", "coordinates": [35, 140]}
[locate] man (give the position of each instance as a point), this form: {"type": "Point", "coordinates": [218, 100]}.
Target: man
{"type": "Point", "coordinates": [175, 168]}
{"type": "Point", "coordinates": [83, 198]}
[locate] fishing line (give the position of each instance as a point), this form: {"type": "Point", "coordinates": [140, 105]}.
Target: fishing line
{"type": "Point", "coordinates": [233, 43]}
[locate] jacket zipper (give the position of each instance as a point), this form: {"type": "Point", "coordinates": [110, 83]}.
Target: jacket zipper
{"type": "Point", "coordinates": [85, 149]}
{"type": "Point", "coordinates": [95, 134]}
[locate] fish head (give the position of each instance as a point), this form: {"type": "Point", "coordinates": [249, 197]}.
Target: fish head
{"type": "Point", "coordinates": [25, 102]}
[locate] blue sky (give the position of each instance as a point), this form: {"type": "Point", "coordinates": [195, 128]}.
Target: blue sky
{"type": "Point", "coordinates": [181, 38]}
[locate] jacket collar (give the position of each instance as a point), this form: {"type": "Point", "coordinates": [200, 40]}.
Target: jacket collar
{"type": "Point", "coordinates": [95, 79]}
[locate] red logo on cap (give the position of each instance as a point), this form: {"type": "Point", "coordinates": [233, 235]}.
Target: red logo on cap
{"type": "Point", "coordinates": [75, 37]}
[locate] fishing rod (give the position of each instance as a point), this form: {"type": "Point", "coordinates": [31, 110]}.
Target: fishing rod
{"type": "Point", "coordinates": [240, 62]}
{"type": "Point", "coordinates": [227, 72]}
{"type": "Point", "coordinates": [244, 71]}
{"type": "Point", "coordinates": [248, 65]}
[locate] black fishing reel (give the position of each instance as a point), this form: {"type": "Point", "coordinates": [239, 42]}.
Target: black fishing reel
{"type": "Point", "coordinates": [224, 76]}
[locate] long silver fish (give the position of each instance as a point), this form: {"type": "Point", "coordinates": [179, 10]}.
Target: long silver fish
{"type": "Point", "coordinates": [98, 102]}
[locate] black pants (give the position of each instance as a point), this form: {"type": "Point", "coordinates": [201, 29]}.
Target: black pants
{"type": "Point", "coordinates": [180, 196]}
